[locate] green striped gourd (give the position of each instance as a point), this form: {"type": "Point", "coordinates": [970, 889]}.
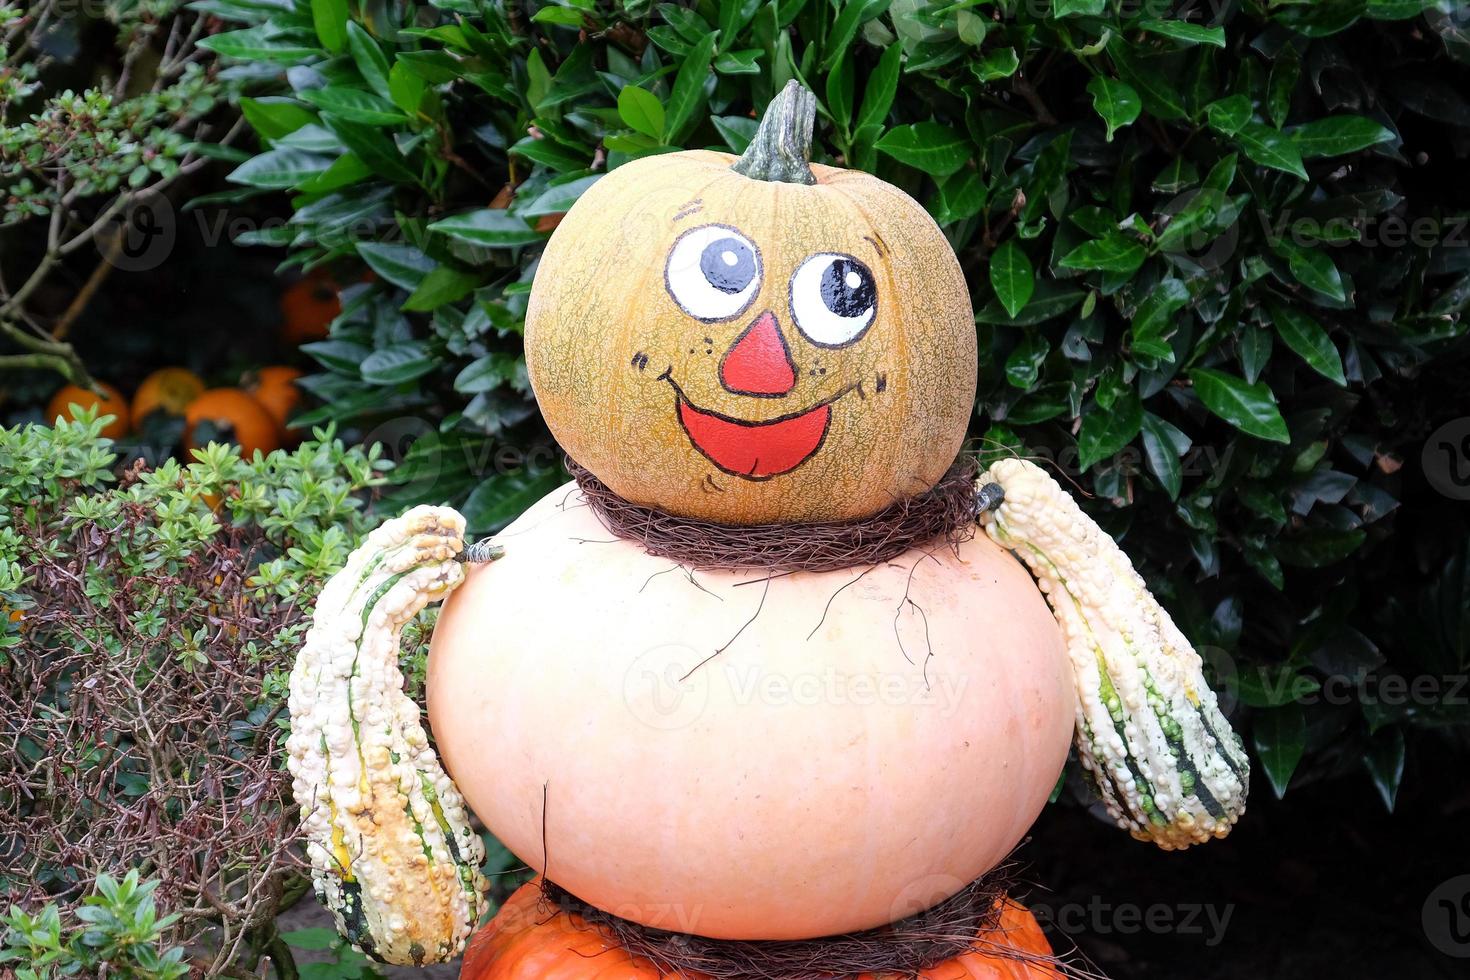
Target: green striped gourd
{"type": "Point", "coordinates": [1149, 730]}
{"type": "Point", "coordinates": [387, 833]}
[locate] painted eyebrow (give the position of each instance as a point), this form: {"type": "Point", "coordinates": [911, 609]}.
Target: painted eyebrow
{"type": "Point", "coordinates": [687, 209]}
{"type": "Point", "coordinates": [877, 244]}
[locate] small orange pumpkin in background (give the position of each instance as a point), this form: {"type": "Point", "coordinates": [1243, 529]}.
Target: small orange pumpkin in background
{"type": "Point", "coordinates": [109, 402]}
{"type": "Point", "coordinates": [169, 390]}
{"type": "Point", "coordinates": [275, 388]}
{"type": "Point", "coordinates": [230, 415]}
{"type": "Point", "coordinates": [526, 941]}
{"type": "Point", "coordinates": [763, 343]}
{"type": "Point", "coordinates": [308, 308]}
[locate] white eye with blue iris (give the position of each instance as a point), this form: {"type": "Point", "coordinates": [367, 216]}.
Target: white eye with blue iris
{"type": "Point", "coordinates": [833, 299]}
{"type": "Point", "coordinates": [713, 272]}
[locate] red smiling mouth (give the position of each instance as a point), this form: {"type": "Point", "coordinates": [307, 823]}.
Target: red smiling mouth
{"type": "Point", "coordinates": [756, 450]}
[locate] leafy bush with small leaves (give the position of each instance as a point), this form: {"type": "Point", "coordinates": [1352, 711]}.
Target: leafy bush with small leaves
{"type": "Point", "coordinates": [76, 161]}
{"type": "Point", "coordinates": [151, 619]}
{"type": "Point", "coordinates": [1218, 255]}
{"type": "Point", "coordinates": [118, 933]}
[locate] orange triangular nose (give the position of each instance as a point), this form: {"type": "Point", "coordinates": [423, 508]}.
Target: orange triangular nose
{"type": "Point", "coordinates": [758, 363]}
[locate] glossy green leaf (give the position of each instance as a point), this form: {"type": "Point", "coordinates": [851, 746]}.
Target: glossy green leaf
{"type": "Point", "coordinates": [642, 111]}
{"type": "Point", "coordinates": [369, 58]}
{"type": "Point", "coordinates": [329, 17]}
{"type": "Point", "coordinates": [1023, 366]}
{"type": "Point", "coordinates": [444, 284]}
{"type": "Point", "coordinates": [402, 265]}
{"type": "Point", "coordinates": [1078, 8]}
{"type": "Point", "coordinates": [397, 364]}
{"type": "Point", "coordinates": [1384, 760]}
{"type": "Point", "coordinates": [374, 148]}
{"type": "Point", "coordinates": [1280, 737]}
{"type": "Point", "coordinates": [488, 372]}
{"type": "Point", "coordinates": [930, 147]}
{"type": "Point", "coordinates": [1160, 94]}
{"type": "Point", "coordinates": [490, 227]}
{"type": "Point", "coordinates": [1337, 135]}
{"type": "Point", "coordinates": [1251, 408]}
{"type": "Point", "coordinates": [280, 169]}
{"type": "Point", "coordinates": [996, 64]}
{"type": "Point", "coordinates": [1271, 148]}
{"type": "Point", "coordinates": [1306, 337]}
{"type": "Point", "coordinates": [1180, 30]}
{"type": "Point", "coordinates": [354, 105]}
{"type": "Point", "coordinates": [850, 16]}
{"type": "Point", "coordinates": [1012, 277]}
{"type": "Point", "coordinates": [503, 497]}
{"type": "Point", "coordinates": [1230, 114]}
{"type": "Point", "coordinates": [1106, 431]}
{"type": "Point", "coordinates": [1255, 352]}
{"type": "Point", "coordinates": [689, 92]}
{"type": "Point", "coordinates": [1163, 444]}
{"type": "Point", "coordinates": [1116, 253]}
{"type": "Point", "coordinates": [275, 117]}
{"type": "Point", "coordinates": [882, 86]}
{"type": "Point", "coordinates": [1312, 267]}
{"type": "Point", "coordinates": [1115, 101]}
{"type": "Point", "coordinates": [1048, 301]}
{"type": "Point", "coordinates": [1153, 321]}
{"type": "Point", "coordinates": [260, 44]}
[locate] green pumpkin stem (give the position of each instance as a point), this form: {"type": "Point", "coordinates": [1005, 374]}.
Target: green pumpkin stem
{"type": "Point", "coordinates": [782, 147]}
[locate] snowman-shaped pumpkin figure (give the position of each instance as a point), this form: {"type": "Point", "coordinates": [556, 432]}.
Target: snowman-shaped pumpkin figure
{"type": "Point", "coordinates": [745, 756]}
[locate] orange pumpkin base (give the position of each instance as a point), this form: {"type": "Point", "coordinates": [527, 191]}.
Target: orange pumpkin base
{"type": "Point", "coordinates": [528, 940]}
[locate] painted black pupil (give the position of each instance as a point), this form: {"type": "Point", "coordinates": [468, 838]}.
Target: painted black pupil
{"type": "Point", "coordinates": [848, 289]}
{"type": "Point", "coordinates": [728, 265]}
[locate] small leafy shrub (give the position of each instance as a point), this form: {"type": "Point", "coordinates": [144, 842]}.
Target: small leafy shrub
{"type": "Point", "coordinates": [1217, 254]}
{"type": "Point", "coordinates": [150, 619]}
{"type": "Point", "coordinates": [118, 932]}
{"type": "Point", "coordinates": [86, 135]}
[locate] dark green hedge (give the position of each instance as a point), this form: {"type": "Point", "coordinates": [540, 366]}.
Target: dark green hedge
{"type": "Point", "coordinates": [1218, 256]}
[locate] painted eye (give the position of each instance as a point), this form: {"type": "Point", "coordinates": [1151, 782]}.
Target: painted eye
{"type": "Point", "coordinates": [713, 272]}
{"type": "Point", "coordinates": [833, 299]}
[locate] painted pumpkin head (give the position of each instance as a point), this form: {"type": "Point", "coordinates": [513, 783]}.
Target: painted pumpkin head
{"type": "Point", "coordinates": [753, 341]}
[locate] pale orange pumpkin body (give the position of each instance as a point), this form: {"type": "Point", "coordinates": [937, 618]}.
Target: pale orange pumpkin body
{"type": "Point", "coordinates": [667, 406]}
{"type": "Point", "coordinates": [740, 758]}
{"type": "Point", "coordinates": [528, 940]}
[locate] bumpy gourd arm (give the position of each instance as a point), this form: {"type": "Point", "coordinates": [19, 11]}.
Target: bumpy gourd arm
{"type": "Point", "coordinates": [1149, 731]}
{"type": "Point", "coordinates": [392, 853]}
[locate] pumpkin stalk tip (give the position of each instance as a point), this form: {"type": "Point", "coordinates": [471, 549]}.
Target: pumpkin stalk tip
{"type": "Point", "coordinates": [782, 148]}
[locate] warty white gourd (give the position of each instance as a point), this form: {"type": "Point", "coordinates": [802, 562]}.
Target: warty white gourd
{"type": "Point", "coordinates": [392, 853]}
{"type": "Point", "coordinates": [1150, 733]}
